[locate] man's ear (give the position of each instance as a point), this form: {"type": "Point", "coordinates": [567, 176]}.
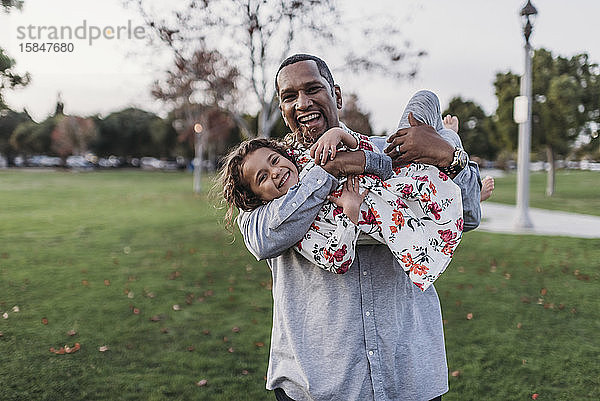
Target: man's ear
{"type": "Point", "coordinates": [337, 92]}
{"type": "Point", "coordinates": [283, 116]}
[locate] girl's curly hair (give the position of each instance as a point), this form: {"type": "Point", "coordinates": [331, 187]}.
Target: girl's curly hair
{"type": "Point", "coordinates": [235, 191]}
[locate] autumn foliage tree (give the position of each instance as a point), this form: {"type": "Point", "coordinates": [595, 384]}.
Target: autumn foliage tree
{"type": "Point", "coordinates": [73, 135]}
{"type": "Point", "coordinates": [256, 35]}
{"type": "Point", "coordinates": [201, 90]}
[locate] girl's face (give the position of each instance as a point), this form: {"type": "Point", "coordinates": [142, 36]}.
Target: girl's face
{"type": "Point", "coordinates": [269, 174]}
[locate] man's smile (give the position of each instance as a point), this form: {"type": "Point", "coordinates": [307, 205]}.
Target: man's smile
{"type": "Point", "coordinates": [308, 117]}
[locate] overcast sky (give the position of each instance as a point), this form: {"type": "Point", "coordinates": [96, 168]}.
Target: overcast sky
{"type": "Point", "coordinates": [468, 42]}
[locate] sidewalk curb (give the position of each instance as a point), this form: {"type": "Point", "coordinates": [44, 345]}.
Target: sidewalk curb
{"type": "Point", "coordinates": [500, 218]}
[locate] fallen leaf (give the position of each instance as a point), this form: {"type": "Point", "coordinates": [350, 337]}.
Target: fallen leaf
{"type": "Point", "coordinates": [524, 361]}
{"type": "Point", "coordinates": [561, 306]}
{"type": "Point", "coordinates": [155, 318]}
{"type": "Point", "coordinates": [206, 332]}
{"type": "Point", "coordinates": [455, 373]}
{"type": "Point", "coordinates": [507, 276]}
{"type": "Point", "coordinates": [225, 339]}
{"type": "Point", "coordinates": [245, 372]}
{"type": "Point", "coordinates": [126, 250]}
{"type": "Point", "coordinates": [202, 383]}
{"type": "Point", "coordinates": [71, 333]}
{"type": "Point", "coordinates": [543, 291]}
{"type": "Point", "coordinates": [469, 316]}
{"type": "Point", "coordinates": [235, 329]}
{"type": "Point", "coordinates": [16, 309]}
{"type": "Point", "coordinates": [5, 315]}
{"type": "Point", "coordinates": [534, 396]}
{"type": "Point", "coordinates": [191, 348]}
{"type": "Point", "coordinates": [164, 330]}
{"type": "Point", "coordinates": [136, 311]}
{"type": "Point", "coordinates": [107, 282]}
{"type": "Point", "coordinates": [103, 348]}
{"type": "Point", "coordinates": [44, 321]}
{"type": "Point", "coordinates": [130, 295]}
{"type": "Point", "coordinates": [66, 349]}
{"type": "Point", "coordinates": [230, 349]}
{"type": "Point", "coordinates": [259, 344]}
{"type": "Point", "coordinates": [1, 334]}
{"type": "Point", "coordinates": [519, 325]}
{"type": "Point", "coordinates": [176, 307]}
{"type": "Point", "coordinates": [525, 300]}
{"type": "Point", "coordinates": [85, 282]}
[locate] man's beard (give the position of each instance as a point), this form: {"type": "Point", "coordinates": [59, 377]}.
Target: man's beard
{"type": "Point", "coordinates": [307, 137]}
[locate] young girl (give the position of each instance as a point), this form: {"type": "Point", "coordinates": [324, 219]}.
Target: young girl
{"type": "Point", "coordinates": [417, 212]}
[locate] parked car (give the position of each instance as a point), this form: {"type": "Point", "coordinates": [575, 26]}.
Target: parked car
{"type": "Point", "coordinates": [78, 162]}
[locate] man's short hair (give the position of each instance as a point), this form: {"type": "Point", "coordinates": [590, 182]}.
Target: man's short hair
{"type": "Point", "coordinates": [321, 65]}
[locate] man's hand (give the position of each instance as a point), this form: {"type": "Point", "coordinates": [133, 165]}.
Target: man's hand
{"type": "Point", "coordinates": [346, 163]}
{"type": "Point", "coordinates": [420, 143]}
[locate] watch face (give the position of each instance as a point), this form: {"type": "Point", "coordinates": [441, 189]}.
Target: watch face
{"type": "Point", "coordinates": [463, 159]}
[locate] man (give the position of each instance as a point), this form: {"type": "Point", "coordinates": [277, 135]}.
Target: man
{"type": "Point", "coordinates": [369, 334]}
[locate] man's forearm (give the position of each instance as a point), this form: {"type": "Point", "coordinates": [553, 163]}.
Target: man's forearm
{"type": "Point", "coordinates": [360, 162]}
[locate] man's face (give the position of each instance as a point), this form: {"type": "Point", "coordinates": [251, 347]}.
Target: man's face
{"type": "Point", "coordinates": [305, 99]}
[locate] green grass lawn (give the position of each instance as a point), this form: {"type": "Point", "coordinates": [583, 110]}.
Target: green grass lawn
{"type": "Point", "coordinates": [575, 191]}
{"type": "Point", "coordinates": [133, 261]}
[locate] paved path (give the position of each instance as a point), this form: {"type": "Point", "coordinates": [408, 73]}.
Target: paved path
{"type": "Point", "coordinates": [500, 218]}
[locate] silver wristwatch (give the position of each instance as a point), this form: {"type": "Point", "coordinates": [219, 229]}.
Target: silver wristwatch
{"type": "Point", "coordinates": [459, 162]}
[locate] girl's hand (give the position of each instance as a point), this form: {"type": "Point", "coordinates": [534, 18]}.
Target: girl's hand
{"type": "Point", "coordinates": [326, 145]}
{"type": "Point", "coordinates": [351, 198]}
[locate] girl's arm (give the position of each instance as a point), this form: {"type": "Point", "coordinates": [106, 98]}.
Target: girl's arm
{"type": "Point", "coordinates": [334, 254]}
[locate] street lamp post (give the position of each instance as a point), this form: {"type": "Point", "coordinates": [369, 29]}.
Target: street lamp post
{"type": "Point", "coordinates": [522, 218]}
{"type": "Point", "coordinates": [197, 157]}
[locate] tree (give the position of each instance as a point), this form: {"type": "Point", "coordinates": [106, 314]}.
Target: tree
{"type": "Point", "coordinates": [475, 128]}
{"type": "Point", "coordinates": [201, 90]}
{"type": "Point", "coordinates": [8, 78]}
{"type": "Point", "coordinates": [260, 33]}
{"type": "Point", "coordinates": [73, 135]}
{"type": "Point", "coordinates": [130, 133]}
{"type": "Point", "coordinates": [30, 138]}
{"type": "Point", "coordinates": [354, 118]}
{"type": "Point", "coordinates": [507, 88]}
{"type": "Point", "coordinates": [9, 120]}
{"type": "Point", "coordinates": [565, 103]}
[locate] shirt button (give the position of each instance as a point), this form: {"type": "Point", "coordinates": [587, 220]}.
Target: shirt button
{"type": "Point", "coordinates": [371, 352]}
{"type": "Point", "coordinates": [364, 273]}
{"type": "Point", "coordinates": [318, 181]}
{"type": "Point", "coordinates": [368, 313]}
{"type": "Point", "coordinates": [294, 204]}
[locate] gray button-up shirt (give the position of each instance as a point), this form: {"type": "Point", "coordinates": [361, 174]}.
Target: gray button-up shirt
{"type": "Point", "coordinates": [369, 334]}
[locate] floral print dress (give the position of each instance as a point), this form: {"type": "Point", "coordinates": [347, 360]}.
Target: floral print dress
{"type": "Point", "coordinates": [417, 213]}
